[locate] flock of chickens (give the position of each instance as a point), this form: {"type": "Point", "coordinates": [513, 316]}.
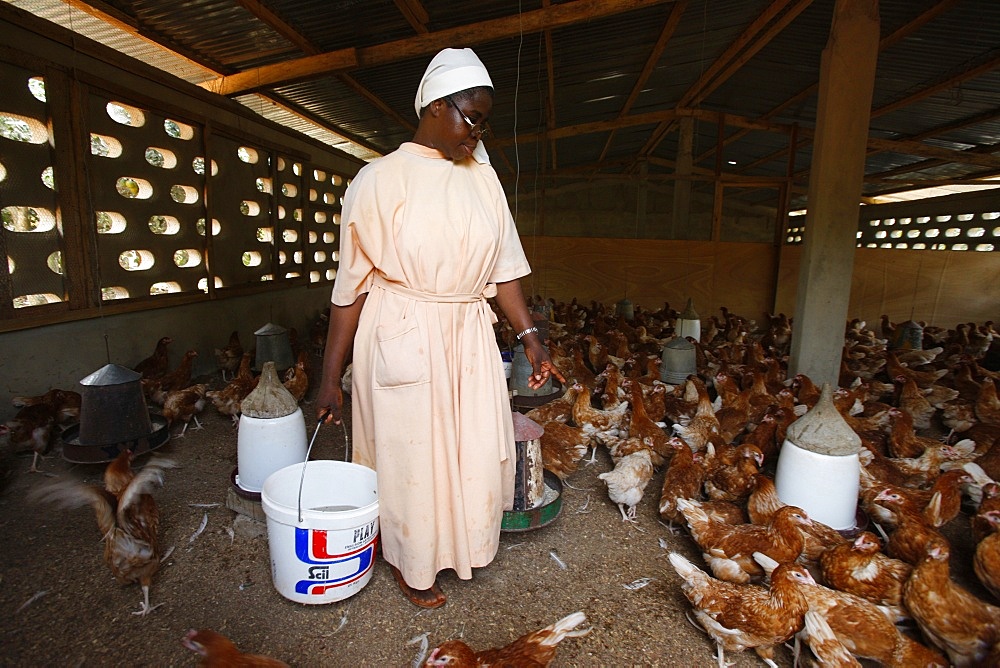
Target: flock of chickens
{"type": "Point", "coordinates": [927, 419]}
{"type": "Point", "coordinates": [770, 574]}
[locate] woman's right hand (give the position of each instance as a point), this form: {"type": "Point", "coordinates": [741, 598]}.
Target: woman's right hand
{"type": "Point", "coordinates": [330, 401]}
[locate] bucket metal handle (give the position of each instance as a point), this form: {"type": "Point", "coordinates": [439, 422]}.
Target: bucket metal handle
{"type": "Point", "coordinates": [347, 449]}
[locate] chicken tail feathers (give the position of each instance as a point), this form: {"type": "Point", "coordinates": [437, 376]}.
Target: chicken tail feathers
{"type": "Point", "coordinates": [566, 628]}
{"type": "Point", "coordinates": [765, 562]}
{"type": "Point", "coordinates": [688, 571]}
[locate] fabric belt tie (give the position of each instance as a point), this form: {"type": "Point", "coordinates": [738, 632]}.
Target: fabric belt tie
{"type": "Point", "coordinates": [445, 298]}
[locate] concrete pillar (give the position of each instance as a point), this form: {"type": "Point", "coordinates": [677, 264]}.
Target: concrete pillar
{"type": "Point", "coordinates": [681, 219]}
{"type": "Point", "coordinates": [847, 75]}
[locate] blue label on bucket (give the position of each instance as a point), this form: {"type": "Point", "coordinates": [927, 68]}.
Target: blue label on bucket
{"type": "Point", "coordinates": [330, 570]}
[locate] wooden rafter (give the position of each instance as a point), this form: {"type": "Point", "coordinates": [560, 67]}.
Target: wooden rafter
{"type": "Point", "coordinates": [296, 110]}
{"type": "Point", "coordinates": [723, 67]}
{"type": "Point", "coordinates": [258, 9]}
{"type": "Point", "coordinates": [415, 15]}
{"type": "Point", "coordinates": [913, 148]}
{"type": "Point", "coordinates": [344, 60]}
{"type": "Point", "coordinates": [669, 26]}
{"type": "Point", "coordinates": [888, 41]}
{"type": "Point", "coordinates": [292, 34]}
{"type": "Point", "coordinates": [127, 24]}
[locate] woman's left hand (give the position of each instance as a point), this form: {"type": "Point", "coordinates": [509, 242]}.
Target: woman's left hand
{"type": "Point", "coordinates": [541, 365]}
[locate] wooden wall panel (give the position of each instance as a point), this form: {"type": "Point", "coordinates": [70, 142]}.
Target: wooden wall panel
{"type": "Point", "coordinates": [650, 272]}
{"type": "Point", "coordinates": [941, 288]}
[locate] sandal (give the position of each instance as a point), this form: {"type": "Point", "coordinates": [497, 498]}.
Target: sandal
{"type": "Point", "coordinates": [425, 598]}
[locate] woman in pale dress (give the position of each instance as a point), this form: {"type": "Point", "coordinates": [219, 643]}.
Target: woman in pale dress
{"type": "Point", "coordinates": [426, 238]}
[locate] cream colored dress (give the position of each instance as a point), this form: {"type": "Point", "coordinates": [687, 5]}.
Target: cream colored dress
{"type": "Point", "coordinates": [427, 239]}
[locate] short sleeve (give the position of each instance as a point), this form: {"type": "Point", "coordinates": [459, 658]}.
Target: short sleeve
{"type": "Point", "coordinates": [355, 272]}
{"type": "Point", "coordinates": [511, 262]}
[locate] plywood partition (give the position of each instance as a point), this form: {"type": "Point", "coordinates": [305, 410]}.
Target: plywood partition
{"type": "Point", "coordinates": [940, 288]}
{"type": "Point", "coordinates": [649, 272]}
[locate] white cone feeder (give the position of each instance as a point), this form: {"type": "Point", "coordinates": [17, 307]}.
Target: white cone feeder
{"type": "Point", "coordinates": [272, 432]}
{"type": "Point", "coordinates": [688, 323]}
{"type": "Point", "coordinates": [819, 468]}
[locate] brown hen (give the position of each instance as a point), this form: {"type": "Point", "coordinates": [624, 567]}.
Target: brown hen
{"type": "Point", "coordinates": [980, 526]}
{"type": "Point", "coordinates": [828, 650]}
{"type": "Point", "coordinates": [32, 428]}
{"type": "Point", "coordinates": [563, 446]}
{"type": "Point", "coordinates": [728, 550]}
{"type": "Point", "coordinates": [296, 380]}
{"type": "Point", "coordinates": [864, 629]}
{"type": "Point", "coordinates": [742, 616]}
{"type": "Point", "coordinates": [913, 401]}
{"type": "Point", "coordinates": [127, 517]}
{"type": "Point", "coordinates": [66, 404]}
{"type": "Point", "coordinates": [860, 568]}
{"type": "Point", "coordinates": [703, 426]}
{"type": "Point", "coordinates": [731, 472]}
{"type": "Point", "coordinates": [229, 399]}
{"type": "Point", "coordinates": [682, 480]}
{"type": "Point", "coordinates": [912, 533]}
{"type": "Point", "coordinates": [895, 368]}
{"type": "Point", "coordinates": [182, 406]}
{"type": "Point", "coordinates": [218, 651]}
{"type": "Point", "coordinates": [987, 404]}
{"type": "Point", "coordinates": [156, 364]}
{"type": "Point", "coordinates": [964, 627]}
{"type": "Point", "coordinates": [603, 427]}
{"type": "Point", "coordinates": [228, 357]}
{"type": "Point", "coordinates": [986, 560]}
{"type": "Point", "coordinates": [534, 649]}
{"type": "Point", "coordinates": [641, 425]}
{"type": "Point", "coordinates": [560, 409]}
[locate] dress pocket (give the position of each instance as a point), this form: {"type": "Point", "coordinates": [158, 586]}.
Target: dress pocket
{"type": "Point", "coordinates": [400, 356]}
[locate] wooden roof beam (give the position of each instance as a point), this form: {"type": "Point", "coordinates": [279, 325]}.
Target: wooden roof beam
{"type": "Point", "coordinates": [900, 33]}
{"type": "Point", "coordinates": [344, 60]}
{"type": "Point", "coordinates": [265, 15]}
{"type": "Point", "coordinates": [415, 15]}
{"type": "Point", "coordinates": [728, 63]}
{"type": "Point", "coordinates": [926, 150]}
{"type": "Point", "coordinates": [128, 25]}
{"type": "Point", "coordinates": [669, 27]}
{"type": "Point", "coordinates": [639, 119]}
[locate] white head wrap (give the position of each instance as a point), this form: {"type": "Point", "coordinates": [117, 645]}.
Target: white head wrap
{"type": "Point", "coordinates": [451, 71]}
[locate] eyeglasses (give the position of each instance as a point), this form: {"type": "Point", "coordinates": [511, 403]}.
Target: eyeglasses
{"type": "Point", "coordinates": [476, 130]}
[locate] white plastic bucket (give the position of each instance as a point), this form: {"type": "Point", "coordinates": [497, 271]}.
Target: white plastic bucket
{"type": "Point", "coordinates": [329, 554]}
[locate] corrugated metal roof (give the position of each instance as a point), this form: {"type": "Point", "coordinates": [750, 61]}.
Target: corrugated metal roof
{"type": "Point", "coordinates": [937, 83]}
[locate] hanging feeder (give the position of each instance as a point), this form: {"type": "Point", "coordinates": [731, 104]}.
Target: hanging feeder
{"type": "Point", "coordinates": [819, 468]}
{"type": "Point", "coordinates": [273, 345]}
{"type": "Point", "coordinates": [909, 335]}
{"type": "Point", "coordinates": [678, 361]}
{"type": "Point", "coordinates": [272, 433]}
{"type": "Point", "coordinates": [528, 487]}
{"type": "Point", "coordinates": [625, 309]}
{"type": "Point", "coordinates": [113, 417]}
{"type": "Point", "coordinates": [688, 323]}
{"type": "Point", "coordinates": [537, 492]}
